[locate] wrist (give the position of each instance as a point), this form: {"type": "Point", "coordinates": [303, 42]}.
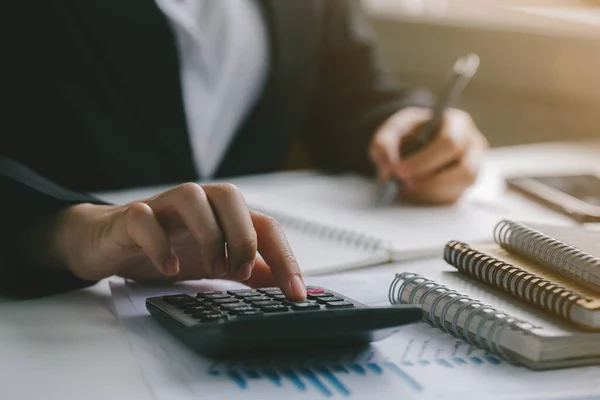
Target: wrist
{"type": "Point", "coordinates": [69, 236]}
{"type": "Point", "coordinates": [38, 247]}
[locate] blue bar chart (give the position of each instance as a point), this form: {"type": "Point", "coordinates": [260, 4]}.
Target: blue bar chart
{"type": "Point", "coordinates": [332, 380]}
{"type": "Point", "coordinates": [328, 380]}
{"type": "Point", "coordinates": [454, 361]}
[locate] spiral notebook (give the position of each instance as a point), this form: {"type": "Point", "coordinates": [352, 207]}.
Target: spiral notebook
{"type": "Point", "coordinates": [569, 250]}
{"type": "Point", "coordinates": [495, 321]}
{"type": "Point", "coordinates": [537, 268]}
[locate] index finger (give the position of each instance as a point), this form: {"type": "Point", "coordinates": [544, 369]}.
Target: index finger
{"type": "Point", "coordinates": [276, 251]}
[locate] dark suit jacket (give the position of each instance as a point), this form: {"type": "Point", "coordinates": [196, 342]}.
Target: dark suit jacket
{"type": "Point", "coordinates": [95, 104]}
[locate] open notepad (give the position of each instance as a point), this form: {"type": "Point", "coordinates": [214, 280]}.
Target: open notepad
{"type": "Point", "coordinates": [321, 248]}
{"type": "Point", "coordinates": [334, 223]}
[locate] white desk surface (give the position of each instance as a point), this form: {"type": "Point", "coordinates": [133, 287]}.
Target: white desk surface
{"type": "Point", "coordinates": [71, 346]}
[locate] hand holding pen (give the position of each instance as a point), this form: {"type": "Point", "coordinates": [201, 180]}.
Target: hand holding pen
{"type": "Point", "coordinates": [430, 155]}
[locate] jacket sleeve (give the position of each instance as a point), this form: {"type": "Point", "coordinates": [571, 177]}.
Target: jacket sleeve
{"type": "Point", "coordinates": [355, 92]}
{"type": "Point", "coordinates": [27, 199]}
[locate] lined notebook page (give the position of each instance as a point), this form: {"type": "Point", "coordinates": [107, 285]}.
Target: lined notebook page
{"type": "Point", "coordinates": [351, 202]}
{"type": "Point", "coordinates": [319, 255]}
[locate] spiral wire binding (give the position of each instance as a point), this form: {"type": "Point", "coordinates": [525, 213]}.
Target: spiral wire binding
{"type": "Point", "coordinates": [475, 312]}
{"type": "Point", "coordinates": [530, 287]}
{"type": "Point", "coordinates": [545, 250]}
{"type": "Point", "coordinates": [348, 237]}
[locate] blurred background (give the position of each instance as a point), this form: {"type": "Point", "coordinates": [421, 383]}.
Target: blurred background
{"type": "Point", "coordinates": [539, 78]}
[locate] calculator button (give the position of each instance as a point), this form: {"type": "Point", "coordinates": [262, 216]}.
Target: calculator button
{"type": "Point", "coordinates": [242, 310]}
{"type": "Point", "coordinates": [178, 299]}
{"type": "Point", "coordinates": [239, 291]}
{"type": "Point", "coordinates": [212, 318]}
{"type": "Point", "coordinates": [208, 293]}
{"type": "Point", "coordinates": [265, 303]}
{"type": "Point", "coordinates": [225, 301]}
{"type": "Point", "coordinates": [274, 308]}
{"type": "Point", "coordinates": [252, 313]}
{"type": "Point", "coordinates": [339, 304]}
{"type": "Point", "coordinates": [288, 302]}
{"type": "Point", "coordinates": [203, 314]}
{"type": "Point", "coordinates": [195, 309]}
{"type": "Point", "coordinates": [272, 293]}
{"type": "Point", "coordinates": [304, 305]}
{"type": "Point", "coordinates": [318, 295]}
{"type": "Point", "coordinates": [280, 297]}
{"type": "Point", "coordinates": [235, 306]}
{"type": "Point", "coordinates": [268, 289]}
{"type": "Point", "coordinates": [248, 294]}
{"type": "Point", "coordinates": [324, 300]}
{"type": "Point", "coordinates": [313, 290]}
{"type": "Point", "coordinates": [214, 296]}
{"type": "Point", "coordinates": [187, 304]}
{"type": "Point", "coordinates": [256, 298]}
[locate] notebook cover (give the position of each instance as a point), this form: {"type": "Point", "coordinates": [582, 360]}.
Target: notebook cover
{"type": "Point", "coordinates": [547, 289]}
{"type": "Point", "coordinates": [591, 299]}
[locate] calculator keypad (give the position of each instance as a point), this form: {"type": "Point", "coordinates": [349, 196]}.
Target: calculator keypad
{"type": "Point", "coordinates": [220, 306]}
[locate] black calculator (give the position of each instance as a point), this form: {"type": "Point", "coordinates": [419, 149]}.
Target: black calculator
{"type": "Point", "coordinates": [264, 321]}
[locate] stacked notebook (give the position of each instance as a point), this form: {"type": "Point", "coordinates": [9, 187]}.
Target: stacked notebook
{"type": "Point", "coordinates": [532, 297]}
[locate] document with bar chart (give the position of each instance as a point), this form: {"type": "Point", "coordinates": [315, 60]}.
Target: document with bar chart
{"type": "Point", "coordinates": [420, 362]}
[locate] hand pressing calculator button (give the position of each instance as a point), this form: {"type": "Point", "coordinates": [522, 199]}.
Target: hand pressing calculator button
{"type": "Point", "coordinates": [263, 320]}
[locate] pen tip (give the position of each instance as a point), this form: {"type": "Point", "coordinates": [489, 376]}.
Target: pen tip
{"type": "Point", "coordinates": [467, 65]}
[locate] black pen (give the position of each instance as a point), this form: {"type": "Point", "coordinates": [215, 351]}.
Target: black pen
{"type": "Point", "coordinates": [463, 70]}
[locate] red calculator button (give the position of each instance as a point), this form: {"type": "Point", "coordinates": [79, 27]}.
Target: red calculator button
{"type": "Point", "coordinates": [315, 291]}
